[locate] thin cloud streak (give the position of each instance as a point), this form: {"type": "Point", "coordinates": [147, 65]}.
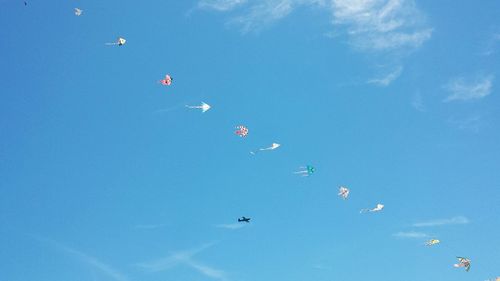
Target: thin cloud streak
{"type": "Point", "coordinates": [417, 102]}
{"type": "Point", "coordinates": [149, 226]}
{"type": "Point", "coordinates": [463, 89]}
{"type": "Point", "coordinates": [90, 260]}
{"type": "Point", "coordinates": [441, 222]}
{"type": "Point", "coordinates": [94, 262]}
{"type": "Point", "coordinates": [184, 258]}
{"type": "Point", "coordinates": [386, 80]}
{"type": "Point", "coordinates": [220, 5]}
{"type": "Point", "coordinates": [232, 226]}
{"type": "Point", "coordinates": [410, 234]}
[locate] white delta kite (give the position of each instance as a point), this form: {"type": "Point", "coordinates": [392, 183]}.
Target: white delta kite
{"type": "Point", "coordinates": [378, 208]}
{"type": "Point", "coordinates": [204, 107]}
{"type": "Point", "coordinates": [272, 147]}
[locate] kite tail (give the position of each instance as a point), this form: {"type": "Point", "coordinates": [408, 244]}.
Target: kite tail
{"type": "Point", "coordinates": [110, 44]}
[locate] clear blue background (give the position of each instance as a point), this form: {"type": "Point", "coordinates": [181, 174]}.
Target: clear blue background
{"type": "Point", "coordinates": [92, 147]}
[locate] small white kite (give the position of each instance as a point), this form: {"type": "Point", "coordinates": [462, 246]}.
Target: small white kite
{"type": "Point", "coordinates": [78, 12]}
{"type": "Point", "coordinates": [376, 209]}
{"type": "Point", "coordinates": [432, 242]}
{"type": "Point", "coordinates": [204, 107]}
{"type": "Point", "coordinates": [120, 42]}
{"type": "Point", "coordinates": [343, 192]}
{"type": "Point", "coordinates": [272, 147]}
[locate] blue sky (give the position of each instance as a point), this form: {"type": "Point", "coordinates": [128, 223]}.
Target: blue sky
{"type": "Point", "coordinates": [105, 175]}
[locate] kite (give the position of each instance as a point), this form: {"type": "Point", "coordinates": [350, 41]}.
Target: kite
{"type": "Point", "coordinates": [343, 192]}
{"type": "Point", "coordinates": [120, 42]}
{"type": "Point", "coordinates": [376, 209]}
{"type": "Point", "coordinates": [272, 147]}
{"type": "Point", "coordinates": [432, 242]}
{"type": "Point", "coordinates": [167, 81]}
{"type": "Point", "coordinates": [78, 12]}
{"type": "Point", "coordinates": [242, 131]}
{"type": "Point", "coordinates": [463, 262]}
{"type": "Point", "coordinates": [306, 171]}
{"type": "Point", "coordinates": [204, 107]}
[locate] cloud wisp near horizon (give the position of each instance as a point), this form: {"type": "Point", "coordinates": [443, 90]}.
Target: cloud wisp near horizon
{"type": "Point", "coordinates": [231, 226]}
{"type": "Point", "coordinates": [184, 257]}
{"type": "Point", "coordinates": [410, 234]}
{"type": "Point", "coordinates": [92, 261]}
{"type": "Point", "coordinates": [441, 222]}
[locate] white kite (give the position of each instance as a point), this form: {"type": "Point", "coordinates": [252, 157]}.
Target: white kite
{"type": "Point", "coordinates": [78, 12]}
{"type": "Point", "coordinates": [343, 192]}
{"type": "Point", "coordinates": [120, 42]}
{"type": "Point", "coordinates": [272, 147]}
{"type": "Point", "coordinates": [204, 107]}
{"type": "Point", "coordinates": [376, 209]}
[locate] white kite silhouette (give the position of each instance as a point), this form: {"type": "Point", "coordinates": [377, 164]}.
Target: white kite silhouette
{"type": "Point", "coordinates": [120, 42]}
{"type": "Point", "coordinates": [78, 12]}
{"type": "Point", "coordinates": [343, 192]}
{"type": "Point", "coordinates": [204, 107]}
{"type": "Point", "coordinates": [376, 209]}
{"type": "Point", "coordinates": [272, 147]}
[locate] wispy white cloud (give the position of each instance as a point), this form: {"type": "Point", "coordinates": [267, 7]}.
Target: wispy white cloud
{"type": "Point", "coordinates": [441, 222]}
{"type": "Point", "coordinates": [491, 45]}
{"type": "Point", "coordinates": [468, 89]}
{"type": "Point", "coordinates": [264, 13]}
{"type": "Point", "coordinates": [87, 259]}
{"type": "Point", "coordinates": [472, 123]}
{"type": "Point", "coordinates": [231, 226]}
{"type": "Point", "coordinates": [220, 5]}
{"type": "Point", "coordinates": [184, 258]}
{"type": "Point", "coordinates": [382, 24]}
{"type": "Point", "coordinates": [94, 262]}
{"type": "Point", "coordinates": [410, 234]}
{"type": "Point", "coordinates": [149, 226]}
{"type": "Point", "coordinates": [387, 79]}
{"type": "Point", "coordinates": [417, 102]}
{"type": "Point", "coordinates": [321, 266]}
{"type": "Point", "coordinates": [370, 24]}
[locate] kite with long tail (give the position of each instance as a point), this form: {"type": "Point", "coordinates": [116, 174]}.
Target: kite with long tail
{"type": "Point", "coordinates": [463, 262]}
{"type": "Point", "coordinates": [120, 42]}
{"type": "Point", "coordinates": [204, 107]}
{"type": "Point", "coordinates": [305, 171]}
{"type": "Point", "coordinates": [272, 147]}
{"type": "Point", "coordinates": [378, 208]}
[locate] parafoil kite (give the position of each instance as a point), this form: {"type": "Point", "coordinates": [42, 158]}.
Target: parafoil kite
{"type": "Point", "coordinates": [463, 262]}
{"type": "Point", "coordinates": [343, 192]}
{"type": "Point", "coordinates": [432, 242]}
{"type": "Point", "coordinates": [378, 208]}
{"type": "Point", "coordinates": [167, 81]}
{"type": "Point", "coordinates": [306, 171]}
{"type": "Point", "coordinates": [241, 131]}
